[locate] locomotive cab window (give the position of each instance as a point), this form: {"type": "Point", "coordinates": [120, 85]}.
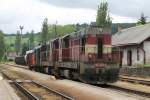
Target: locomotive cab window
{"type": "Point", "coordinates": [83, 44]}
{"type": "Point", "coordinates": [44, 47]}
{"type": "Point", "coordinates": [56, 44]}
{"type": "Point", "coordinates": [66, 42]}
{"type": "Point", "coordinates": [99, 47]}
{"type": "Point", "coordinates": [43, 52]}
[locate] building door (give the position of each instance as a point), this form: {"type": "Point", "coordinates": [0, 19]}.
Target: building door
{"type": "Point", "coordinates": [129, 58]}
{"type": "Point", "coordinates": [120, 58]}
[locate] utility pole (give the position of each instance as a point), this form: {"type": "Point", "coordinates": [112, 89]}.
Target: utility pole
{"type": "Point", "coordinates": [55, 29]}
{"type": "Point", "coordinates": [21, 28]}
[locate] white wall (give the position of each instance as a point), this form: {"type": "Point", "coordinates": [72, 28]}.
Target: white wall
{"type": "Point", "coordinates": [134, 56]}
{"type": "Point", "coordinates": [124, 59]}
{"type": "Point", "coordinates": [147, 51]}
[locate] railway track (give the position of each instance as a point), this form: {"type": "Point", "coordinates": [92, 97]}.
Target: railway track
{"type": "Point", "coordinates": [41, 92]}
{"type": "Point", "coordinates": [35, 91]}
{"type": "Point", "coordinates": [20, 66]}
{"type": "Point", "coordinates": [119, 88]}
{"type": "Point", "coordinates": [133, 91]}
{"type": "Point", "coordinates": [133, 80]}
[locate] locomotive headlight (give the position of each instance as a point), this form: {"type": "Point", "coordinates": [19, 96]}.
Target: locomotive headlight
{"type": "Point", "coordinates": [89, 56]}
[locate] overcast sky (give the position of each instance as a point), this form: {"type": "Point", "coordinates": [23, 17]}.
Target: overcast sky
{"type": "Point", "coordinates": [31, 13]}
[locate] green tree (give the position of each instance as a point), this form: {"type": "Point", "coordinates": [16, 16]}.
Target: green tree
{"type": "Point", "coordinates": [142, 20]}
{"type": "Point", "coordinates": [2, 45]}
{"type": "Point", "coordinates": [18, 42]}
{"type": "Point", "coordinates": [61, 30]}
{"type": "Point", "coordinates": [103, 19]}
{"type": "Point", "coordinates": [31, 40]}
{"type": "Point", "coordinates": [44, 32]}
{"type": "Point", "coordinates": [24, 48]}
{"type": "Point", "coordinates": [27, 34]}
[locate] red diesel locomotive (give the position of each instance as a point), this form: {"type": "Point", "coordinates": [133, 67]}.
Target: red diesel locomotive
{"type": "Point", "coordinates": [85, 55]}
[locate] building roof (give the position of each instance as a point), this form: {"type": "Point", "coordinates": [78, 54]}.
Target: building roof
{"type": "Point", "coordinates": [130, 36]}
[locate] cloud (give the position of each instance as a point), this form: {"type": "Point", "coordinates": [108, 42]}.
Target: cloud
{"type": "Point", "coordinates": [92, 4]}
{"type": "Point", "coordinates": [31, 13]}
{"type": "Point", "coordinates": [129, 8]}
{"type": "Point", "coordinates": [17, 12]}
{"type": "Point", "coordinates": [124, 8]}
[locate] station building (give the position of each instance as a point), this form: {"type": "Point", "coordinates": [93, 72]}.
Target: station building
{"type": "Point", "coordinates": [133, 45]}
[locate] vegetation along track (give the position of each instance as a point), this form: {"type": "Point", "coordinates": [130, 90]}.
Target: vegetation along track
{"type": "Point", "coordinates": [36, 91]}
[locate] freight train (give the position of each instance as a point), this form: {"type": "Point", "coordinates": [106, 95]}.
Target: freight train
{"type": "Point", "coordinates": [84, 55]}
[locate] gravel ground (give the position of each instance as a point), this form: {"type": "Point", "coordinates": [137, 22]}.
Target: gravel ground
{"type": "Point", "coordinates": [83, 91]}
{"type": "Point", "coordinates": [79, 91]}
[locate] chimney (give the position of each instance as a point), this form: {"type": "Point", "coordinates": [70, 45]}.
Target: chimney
{"type": "Point", "coordinates": [119, 28]}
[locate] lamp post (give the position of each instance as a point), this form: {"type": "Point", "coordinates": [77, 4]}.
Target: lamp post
{"type": "Point", "coordinates": [21, 28]}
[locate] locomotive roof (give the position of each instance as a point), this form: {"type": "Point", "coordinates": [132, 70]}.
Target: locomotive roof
{"type": "Point", "coordinates": [30, 51]}
{"type": "Point", "coordinates": [37, 47]}
{"type": "Point", "coordinates": [83, 32]}
{"type": "Point", "coordinates": [66, 35]}
{"type": "Point", "coordinates": [90, 30]}
{"type": "Point", "coordinates": [54, 39]}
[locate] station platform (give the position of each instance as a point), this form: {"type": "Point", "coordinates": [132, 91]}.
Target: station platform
{"type": "Point", "coordinates": [7, 92]}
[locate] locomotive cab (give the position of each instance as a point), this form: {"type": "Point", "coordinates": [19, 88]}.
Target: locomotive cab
{"type": "Point", "coordinates": [96, 64]}
{"type": "Point", "coordinates": [30, 59]}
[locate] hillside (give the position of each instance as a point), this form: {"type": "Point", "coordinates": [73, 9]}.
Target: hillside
{"type": "Point", "coordinates": [10, 40]}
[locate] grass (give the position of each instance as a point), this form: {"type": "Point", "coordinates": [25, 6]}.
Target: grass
{"type": "Point", "coordinates": [146, 65]}
{"type": "Point", "coordinates": [10, 41]}
{"type": "Point", "coordinates": [141, 65]}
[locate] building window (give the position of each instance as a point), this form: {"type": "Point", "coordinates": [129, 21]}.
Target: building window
{"type": "Point", "coordinates": [138, 56]}
{"type": "Point", "coordinates": [83, 42]}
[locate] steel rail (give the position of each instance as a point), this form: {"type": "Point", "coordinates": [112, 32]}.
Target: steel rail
{"type": "Point", "coordinates": [132, 80]}
{"type": "Point", "coordinates": [28, 94]}
{"type": "Point", "coordinates": [31, 96]}
{"type": "Point", "coordinates": [141, 93]}
{"type": "Point", "coordinates": [54, 91]}
{"type": "Point", "coordinates": [19, 66]}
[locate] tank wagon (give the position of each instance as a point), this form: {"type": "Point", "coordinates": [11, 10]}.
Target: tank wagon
{"type": "Point", "coordinates": [85, 55]}
{"type": "Point", "coordinates": [20, 60]}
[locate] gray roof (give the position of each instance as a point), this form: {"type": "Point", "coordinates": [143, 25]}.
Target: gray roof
{"type": "Point", "coordinates": [134, 35]}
